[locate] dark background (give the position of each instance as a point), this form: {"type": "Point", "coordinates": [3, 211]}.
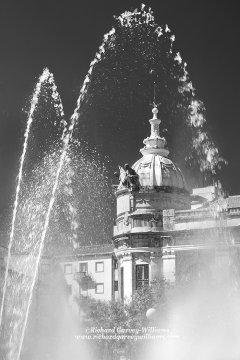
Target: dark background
{"type": "Point", "coordinates": [64, 36]}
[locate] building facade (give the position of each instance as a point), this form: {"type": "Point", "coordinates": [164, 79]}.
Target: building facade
{"type": "Point", "coordinates": [164, 232]}
{"type": "Point", "coordinates": [88, 271]}
{"type": "Point", "coordinates": [161, 231]}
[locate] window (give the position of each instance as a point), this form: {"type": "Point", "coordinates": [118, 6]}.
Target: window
{"type": "Point", "coordinates": [142, 275]}
{"type": "Point", "coordinates": [99, 266]}
{"type": "Point", "coordinates": [67, 269]}
{"type": "Point", "coordinates": [99, 288]}
{"type": "Point", "coordinates": [83, 267]}
{"type": "Point", "coordinates": [115, 285]}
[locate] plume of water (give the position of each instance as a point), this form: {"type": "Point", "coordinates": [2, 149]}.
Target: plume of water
{"type": "Point", "coordinates": [66, 138]}
{"type": "Point", "coordinates": [83, 202]}
{"type": "Point", "coordinates": [83, 91]}
{"type": "Point", "coordinates": [21, 270]}
{"type": "Point", "coordinates": [201, 312]}
{"type": "Point", "coordinates": [41, 244]}
{"type": "Point", "coordinates": [27, 265]}
{"type": "Point", "coordinates": [204, 324]}
{"type": "Point", "coordinates": [77, 218]}
{"type": "Point", "coordinates": [120, 89]}
{"type": "Point", "coordinates": [90, 196]}
{"type": "Point", "coordinates": [46, 76]}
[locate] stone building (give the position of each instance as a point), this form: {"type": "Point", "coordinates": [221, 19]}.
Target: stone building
{"type": "Point", "coordinates": [90, 271]}
{"type": "Point", "coordinates": [163, 231]}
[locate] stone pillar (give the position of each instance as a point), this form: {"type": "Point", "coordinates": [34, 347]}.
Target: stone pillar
{"type": "Point", "coordinates": [127, 264]}
{"type": "Point", "coordinates": [155, 266]}
{"type": "Point", "coordinates": [169, 266]}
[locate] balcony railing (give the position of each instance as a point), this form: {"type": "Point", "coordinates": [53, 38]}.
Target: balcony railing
{"type": "Point", "coordinates": [79, 276]}
{"type": "Point", "coordinates": [193, 215]}
{"type": "Point", "coordinates": [84, 280]}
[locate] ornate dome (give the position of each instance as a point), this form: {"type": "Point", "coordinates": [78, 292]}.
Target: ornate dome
{"type": "Point", "coordinates": [154, 168]}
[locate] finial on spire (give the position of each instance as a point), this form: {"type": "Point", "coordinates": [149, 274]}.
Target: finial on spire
{"type": "Point", "coordinates": [155, 111]}
{"type": "Point", "coordinates": [154, 76]}
{"type": "Point", "coordinates": [155, 144]}
{"type": "Point", "coordinates": [154, 92]}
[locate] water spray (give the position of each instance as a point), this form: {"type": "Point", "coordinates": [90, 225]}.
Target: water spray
{"type": "Point", "coordinates": [43, 78]}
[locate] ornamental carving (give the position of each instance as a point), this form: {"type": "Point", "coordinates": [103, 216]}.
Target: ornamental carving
{"type": "Point", "coordinates": [123, 247]}
{"type": "Point", "coordinates": [142, 256]}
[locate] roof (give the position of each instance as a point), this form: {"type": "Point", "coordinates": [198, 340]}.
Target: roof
{"type": "Point", "coordinates": [95, 249]}
{"type": "Point", "coordinates": [207, 193]}
{"type": "Point", "coordinates": [156, 170]}
{"type": "Point", "coordinates": [91, 250]}
{"type": "Point", "coordinates": [233, 201]}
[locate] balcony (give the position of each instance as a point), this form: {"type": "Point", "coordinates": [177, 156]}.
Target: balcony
{"type": "Point", "coordinates": [193, 215]}
{"type": "Point", "coordinates": [84, 280]}
{"type": "Point", "coordinates": [193, 219]}
{"type": "Point", "coordinates": [79, 276]}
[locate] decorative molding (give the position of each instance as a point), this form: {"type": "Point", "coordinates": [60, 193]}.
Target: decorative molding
{"type": "Point", "coordinates": [142, 256]}
{"type": "Point", "coordinates": [154, 255]}
{"type": "Point", "coordinates": [168, 253]}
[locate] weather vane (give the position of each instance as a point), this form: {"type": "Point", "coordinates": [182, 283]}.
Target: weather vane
{"type": "Point", "coordinates": [154, 75]}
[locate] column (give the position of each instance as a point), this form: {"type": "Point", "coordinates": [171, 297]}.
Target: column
{"type": "Point", "coordinates": [128, 276]}
{"type": "Point", "coordinates": [155, 266]}
{"type": "Point", "coordinates": [169, 266]}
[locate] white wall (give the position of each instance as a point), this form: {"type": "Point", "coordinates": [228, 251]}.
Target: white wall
{"type": "Point", "coordinates": [104, 278]}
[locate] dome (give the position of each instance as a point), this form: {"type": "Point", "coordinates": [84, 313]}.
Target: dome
{"type": "Point", "coordinates": [155, 170]}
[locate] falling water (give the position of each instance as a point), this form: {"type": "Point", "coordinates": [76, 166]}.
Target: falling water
{"type": "Point", "coordinates": [121, 88]}
{"type": "Point", "coordinates": [87, 196]}
{"type": "Point", "coordinates": [61, 162]}
{"type": "Point", "coordinates": [66, 139]}
{"type": "Point", "coordinates": [84, 88]}
{"type": "Point", "coordinates": [29, 265]}
{"type": "Point", "coordinates": [46, 76]}
{"type": "Point", "coordinates": [31, 261]}
{"type": "Point", "coordinates": [25, 264]}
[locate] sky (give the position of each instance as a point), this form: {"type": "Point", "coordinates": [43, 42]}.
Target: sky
{"type": "Point", "coordinates": [64, 37]}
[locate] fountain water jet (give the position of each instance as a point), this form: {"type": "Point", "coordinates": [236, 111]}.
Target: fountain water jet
{"type": "Point", "coordinates": [66, 139]}
{"type": "Point", "coordinates": [33, 258]}
{"type": "Point", "coordinates": [46, 76]}
{"type": "Point", "coordinates": [28, 264]}
{"type": "Point", "coordinates": [61, 162]}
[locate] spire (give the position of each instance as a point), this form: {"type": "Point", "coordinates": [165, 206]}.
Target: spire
{"type": "Point", "coordinates": [155, 144]}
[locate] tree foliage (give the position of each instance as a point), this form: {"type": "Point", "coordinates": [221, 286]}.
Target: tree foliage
{"type": "Point", "coordinates": [128, 315]}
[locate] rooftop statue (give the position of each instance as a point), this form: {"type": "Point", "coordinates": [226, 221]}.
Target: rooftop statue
{"type": "Point", "coordinates": [128, 178]}
{"type": "Point", "coordinates": [132, 178]}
